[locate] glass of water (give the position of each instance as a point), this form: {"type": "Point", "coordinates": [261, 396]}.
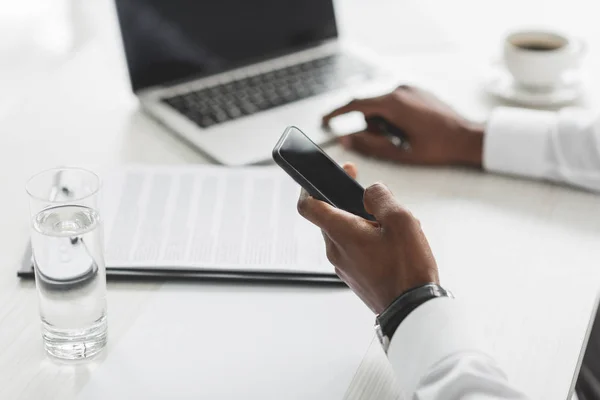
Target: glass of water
{"type": "Point", "coordinates": [67, 247]}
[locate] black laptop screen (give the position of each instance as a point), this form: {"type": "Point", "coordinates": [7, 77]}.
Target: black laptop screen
{"type": "Point", "coordinates": [172, 40]}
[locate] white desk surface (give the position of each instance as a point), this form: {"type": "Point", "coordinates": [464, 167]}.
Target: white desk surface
{"type": "Point", "coordinates": [483, 228]}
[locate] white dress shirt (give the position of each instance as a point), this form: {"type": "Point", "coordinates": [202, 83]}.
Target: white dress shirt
{"type": "Point", "coordinates": [432, 352]}
{"type": "Point", "coordinates": [559, 146]}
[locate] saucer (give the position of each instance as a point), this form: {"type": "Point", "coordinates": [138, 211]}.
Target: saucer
{"type": "Point", "coordinates": [501, 84]}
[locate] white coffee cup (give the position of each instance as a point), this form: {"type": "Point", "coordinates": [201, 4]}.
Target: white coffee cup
{"type": "Point", "coordinates": [538, 59]}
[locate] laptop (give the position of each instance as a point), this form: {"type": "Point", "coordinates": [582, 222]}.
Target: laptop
{"type": "Point", "coordinates": [227, 76]}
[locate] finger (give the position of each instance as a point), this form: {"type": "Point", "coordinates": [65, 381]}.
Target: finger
{"type": "Point", "coordinates": [372, 144]}
{"type": "Point", "coordinates": [372, 126]}
{"type": "Point", "coordinates": [333, 253]}
{"type": "Point", "coordinates": [334, 222]}
{"type": "Point", "coordinates": [366, 106]}
{"type": "Point", "coordinates": [381, 203]}
{"type": "Point", "coordinates": [377, 145]}
{"type": "Point", "coordinates": [303, 195]}
{"type": "Point", "coordinates": [350, 169]}
{"type": "Point", "coordinates": [331, 249]}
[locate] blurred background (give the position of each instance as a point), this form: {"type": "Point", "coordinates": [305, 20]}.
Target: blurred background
{"type": "Point", "coordinates": [38, 36]}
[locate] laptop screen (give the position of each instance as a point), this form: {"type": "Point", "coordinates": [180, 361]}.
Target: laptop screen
{"type": "Point", "coordinates": [173, 40]}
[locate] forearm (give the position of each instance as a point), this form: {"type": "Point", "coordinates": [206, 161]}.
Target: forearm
{"type": "Point", "coordinates": [435, 357]}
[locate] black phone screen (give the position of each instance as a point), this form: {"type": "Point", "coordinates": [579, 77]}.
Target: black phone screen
{"type": "Point", "coordinates": [324, 174]}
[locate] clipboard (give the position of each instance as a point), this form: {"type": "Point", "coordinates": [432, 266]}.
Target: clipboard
{"type": "Point", "coordinates": [26, 272]}
{"type": "Point", "coordinates": [206, 223]}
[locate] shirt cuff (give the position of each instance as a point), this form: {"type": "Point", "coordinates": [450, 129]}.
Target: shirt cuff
{"type": "Point", "coordinates": [516, 141]}
{"type": "Point", "coordinates": [435, 330]}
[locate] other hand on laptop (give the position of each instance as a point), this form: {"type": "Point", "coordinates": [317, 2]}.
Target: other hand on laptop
{"type": "Point", "coordinates": [437, 134]}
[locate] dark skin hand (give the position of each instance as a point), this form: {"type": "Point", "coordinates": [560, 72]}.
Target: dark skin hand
{"type": "Point", "coordinates": [378, 260]}
{"type": "Point", "coordinates": [436, 133]}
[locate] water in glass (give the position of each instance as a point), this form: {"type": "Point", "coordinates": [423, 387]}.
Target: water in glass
{"type": "Point", "coordinates": [70, 275]}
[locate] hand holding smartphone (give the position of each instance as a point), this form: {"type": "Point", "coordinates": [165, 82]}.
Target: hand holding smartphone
{"type": "Point", "coordinates": [318, 174]}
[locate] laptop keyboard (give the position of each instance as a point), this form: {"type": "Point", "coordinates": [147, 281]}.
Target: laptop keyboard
{"type": "Point", "coordinates": [232, 100]}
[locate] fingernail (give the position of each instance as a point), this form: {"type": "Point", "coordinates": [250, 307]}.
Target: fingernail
{"type": "Point", "coordinates": [378, 186]}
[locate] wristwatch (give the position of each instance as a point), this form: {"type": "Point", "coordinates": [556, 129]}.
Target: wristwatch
{"type": "Point", "coordinates": [388, 321]}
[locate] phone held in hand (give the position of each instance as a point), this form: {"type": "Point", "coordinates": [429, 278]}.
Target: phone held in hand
{"type": "Point", "coordinates": [318, 174]}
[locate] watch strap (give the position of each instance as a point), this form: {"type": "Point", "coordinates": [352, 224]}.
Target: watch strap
{"type": "Point", "coordinates": [389, 320]}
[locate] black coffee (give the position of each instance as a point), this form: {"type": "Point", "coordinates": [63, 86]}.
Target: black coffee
{"type": "Point", "coordinates": [539, 46]}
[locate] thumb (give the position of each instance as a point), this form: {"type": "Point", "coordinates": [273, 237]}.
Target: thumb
{"type": "Point", "coordinates": [380, 202]}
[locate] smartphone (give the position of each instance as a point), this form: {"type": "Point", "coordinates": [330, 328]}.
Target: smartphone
{"type": "Point", "coordinates": [317, 173]}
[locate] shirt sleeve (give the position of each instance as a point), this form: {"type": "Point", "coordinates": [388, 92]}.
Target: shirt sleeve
{"type": "Point", "coordinates": [559, 146]}
{"type": "Point", "coordinates": [435, 357]}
